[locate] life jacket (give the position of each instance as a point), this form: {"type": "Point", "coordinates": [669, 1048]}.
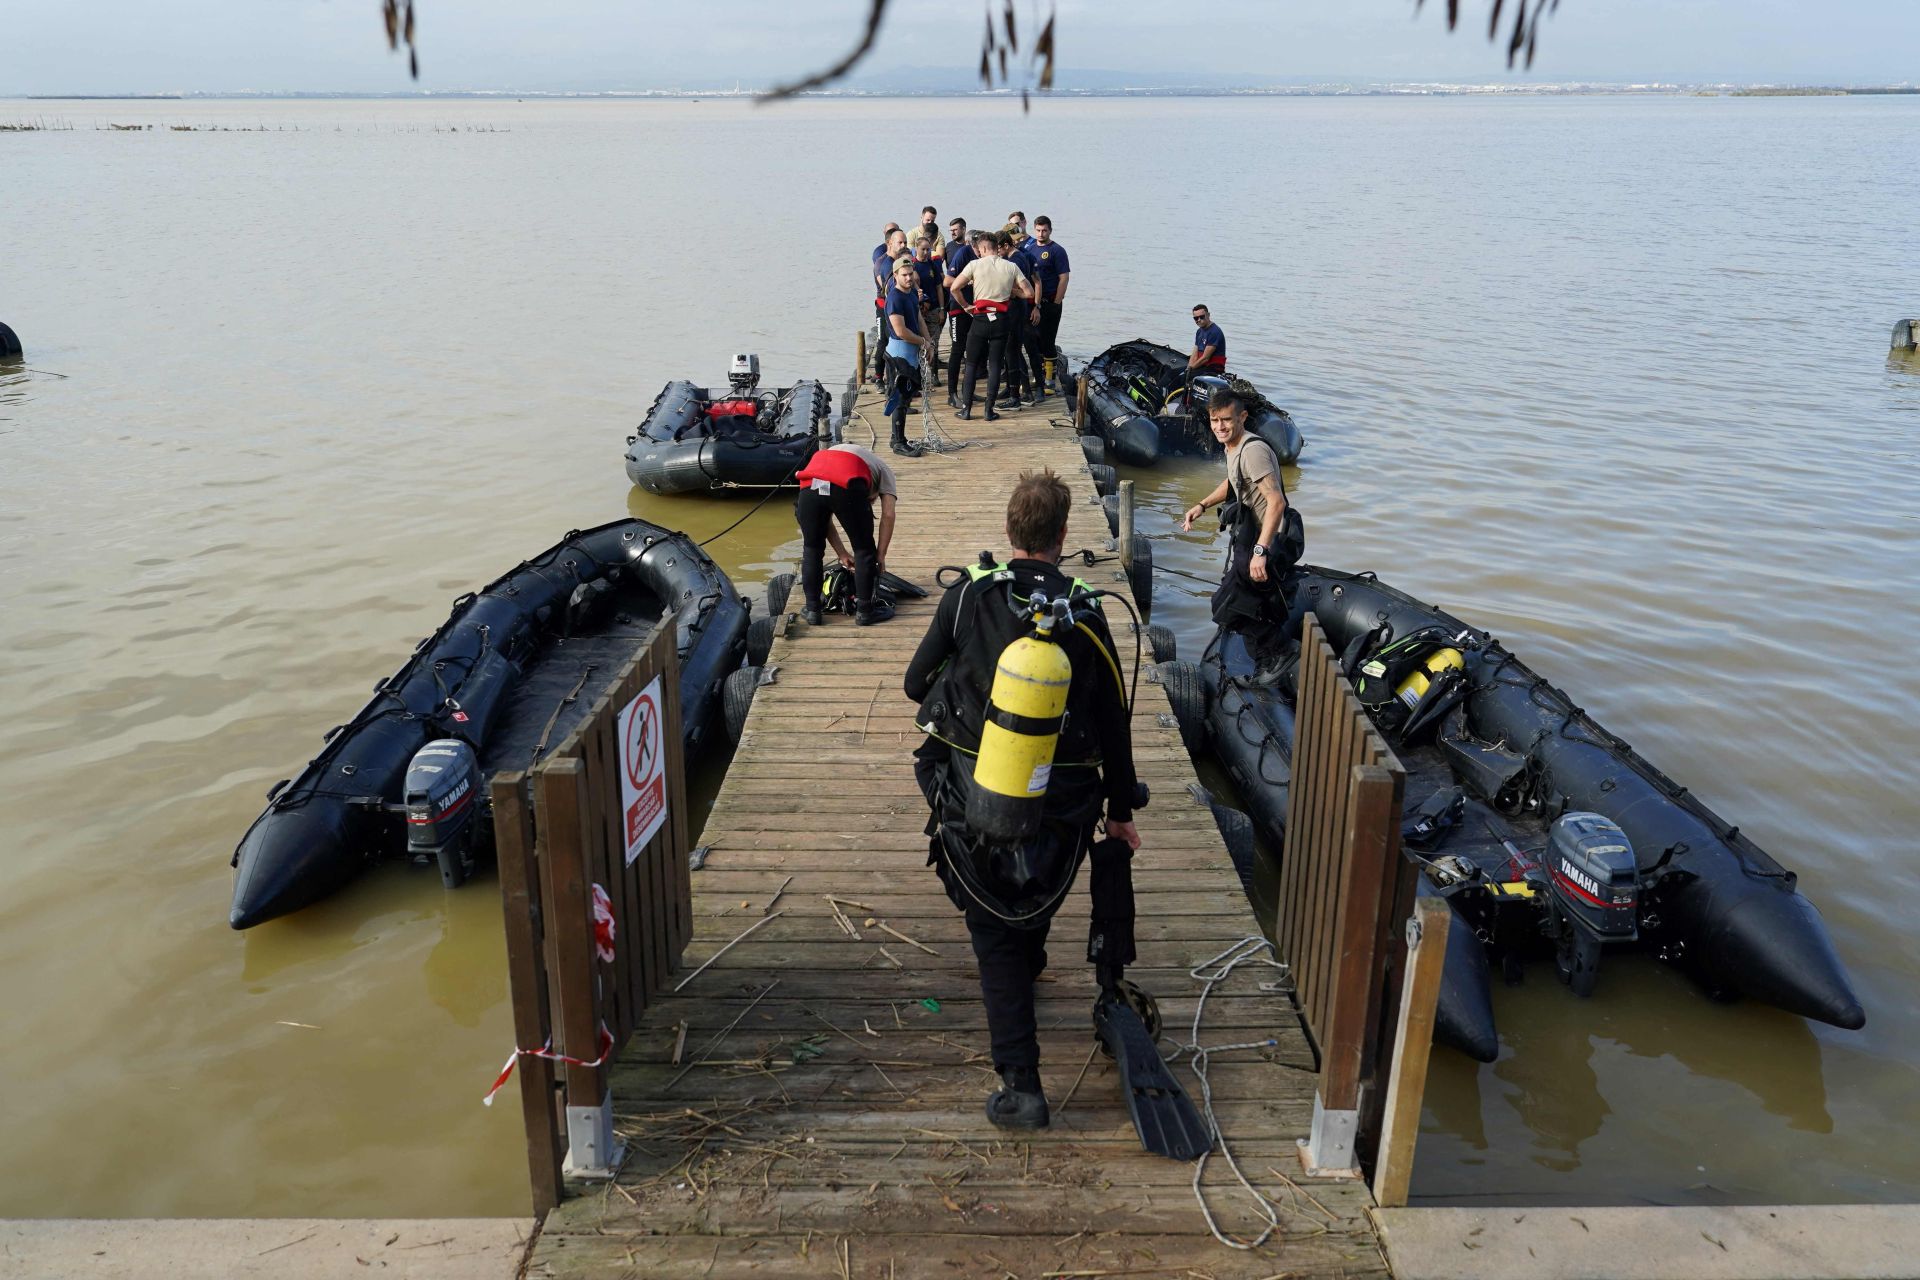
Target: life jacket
{"type": "Point", "coordinates": [836, 466]}
{"type": "Point", "coordinates": [986, 622]}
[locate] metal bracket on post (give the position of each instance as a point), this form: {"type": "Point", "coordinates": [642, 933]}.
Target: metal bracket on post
{"type": "Point", "coordinates": [1328, 1150]}
{"type": "Point", "coordinates": [592, 1149]}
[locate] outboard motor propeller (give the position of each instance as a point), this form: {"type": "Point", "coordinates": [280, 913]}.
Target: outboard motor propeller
{"type": "Point", "coordinates": [1593, 894]}
{"type": "Point", "coordinates": [441, 796]}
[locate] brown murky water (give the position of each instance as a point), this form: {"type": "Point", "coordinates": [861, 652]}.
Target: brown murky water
{"type": "Point", "coordinates": [1608, 376]}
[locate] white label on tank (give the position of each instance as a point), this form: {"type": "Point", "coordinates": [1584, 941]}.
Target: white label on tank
{"type": "Point", "coordinates": [1038, 782]}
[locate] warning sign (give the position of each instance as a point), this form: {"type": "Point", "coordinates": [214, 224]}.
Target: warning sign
{"type": "Point", "coordinates": [643, 767]}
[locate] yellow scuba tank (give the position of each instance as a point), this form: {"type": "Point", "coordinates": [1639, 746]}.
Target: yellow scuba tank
{"type": "Point", "coordinates": [1414, 687]}
{"type": "Point", "coordinates": [1025, 709]}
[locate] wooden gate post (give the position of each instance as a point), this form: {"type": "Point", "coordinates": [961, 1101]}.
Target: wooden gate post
{"type": "Point", "coordinates": [1412, 1044]}
{"type": "Point", "coordinates": [1366, 873]}
{"type": "Point", "coordinates": [566, 820]}
{"type": "Point", "coordinates": [527, 979]}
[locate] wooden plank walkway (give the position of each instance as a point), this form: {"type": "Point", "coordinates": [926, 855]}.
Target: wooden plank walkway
{"type": "Point", "coordinates": [831, 1124]}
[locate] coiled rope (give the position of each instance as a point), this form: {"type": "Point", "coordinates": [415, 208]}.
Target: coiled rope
{"type": "Point", "coordinates": [1210, 973]}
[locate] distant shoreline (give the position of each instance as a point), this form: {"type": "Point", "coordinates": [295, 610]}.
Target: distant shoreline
{"type": "Point", "coordinates": [1165, 91]}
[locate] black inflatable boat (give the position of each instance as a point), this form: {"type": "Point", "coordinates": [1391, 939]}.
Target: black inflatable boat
{"type": "Point", "coordinates": [694, 440]}
{"type": "Point", "coordinates": [1545, 833]}
{"type": "Point", "coordinates": [512, 671]}
{"type": "Point", "coordinates": [1144, 402]}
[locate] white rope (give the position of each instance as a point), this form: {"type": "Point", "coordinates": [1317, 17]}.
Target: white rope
{"type": "Point", "coordinates": [1211, 973]}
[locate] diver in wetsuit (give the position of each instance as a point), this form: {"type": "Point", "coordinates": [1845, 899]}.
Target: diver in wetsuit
{"type": "Point", "coordinates": [840, 484]}
{"type": "Point", "coordinates": [1009, 893]}
{"type": "Point", "coordinates": [1268, 538]}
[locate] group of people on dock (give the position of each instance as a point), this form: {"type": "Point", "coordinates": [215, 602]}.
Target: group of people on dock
{"type": "Point", "coordinates": [998, 293]}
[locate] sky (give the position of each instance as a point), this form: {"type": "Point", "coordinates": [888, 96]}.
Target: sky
{"type": "Point", "coordinates": [317, 46]}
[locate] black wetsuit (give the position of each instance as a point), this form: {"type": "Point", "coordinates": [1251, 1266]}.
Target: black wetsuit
{"type": "Point", "coordinates": [950, 676]}
{"type": "Point", "coordinates": [814, 511]}
{"type": "Point", "coordinates": [1262, 611]}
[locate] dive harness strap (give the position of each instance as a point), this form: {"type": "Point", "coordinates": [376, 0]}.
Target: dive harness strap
{"type": "Point", "coordinates": [1013, 722]}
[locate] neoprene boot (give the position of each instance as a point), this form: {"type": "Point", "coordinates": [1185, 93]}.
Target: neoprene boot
{"type": "Point", "coordinates": [1019, 1103]}
{"type": "Point", "coordinates": [877, 610]}
{"type": "Point", "coordinates": [900, 444]}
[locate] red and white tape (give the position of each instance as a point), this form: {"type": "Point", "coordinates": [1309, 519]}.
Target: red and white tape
{"type": "Point", "coordinates": [603, 932]}
{"type": "Point", "coordinates": [506, 1072]}
{"type": "Point", "coordinates": [602, 925]}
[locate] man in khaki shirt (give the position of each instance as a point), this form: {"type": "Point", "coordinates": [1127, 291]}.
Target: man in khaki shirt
{"type": "Point", "coordinates": [930, 226]}
{"type": "Point", "coordinates": [1252, 597]}
{"type": "Point", "coordinates": [994, 282]}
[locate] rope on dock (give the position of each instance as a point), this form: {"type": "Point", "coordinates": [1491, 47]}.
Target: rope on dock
{"type": "Point", "coordinates": [1251, 949]}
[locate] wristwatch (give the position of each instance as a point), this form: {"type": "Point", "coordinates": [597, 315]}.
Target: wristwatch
{"type": "Point", "coordinates": [1260, 550]}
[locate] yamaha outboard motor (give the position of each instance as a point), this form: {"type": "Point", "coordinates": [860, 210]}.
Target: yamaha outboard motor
{"type": "Point", "coordinates": [442, 796]}
{"type": "Point", "coordinates": [1593, 894]}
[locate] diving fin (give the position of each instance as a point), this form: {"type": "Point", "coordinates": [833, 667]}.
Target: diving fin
{"type": "Point", "coordinates": [1163, 1115]}
{"type": "Point", "coordinates": [901, 587]}
{"type": "Point", "coordinates": [1447, 691]}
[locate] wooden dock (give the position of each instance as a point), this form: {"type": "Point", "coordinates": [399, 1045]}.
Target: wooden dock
{"type": "Point", "coordinates": [811, 1104]}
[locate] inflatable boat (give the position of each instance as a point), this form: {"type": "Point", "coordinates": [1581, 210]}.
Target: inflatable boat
{"type": "Point", "coordinates": [694, 440]}
{"type": "Point", "coordinates": [512, 672]}
{"type": "Point", "coordinates": [1547, 835]}
{"type": "Point", "coordinates": [1145, 403]}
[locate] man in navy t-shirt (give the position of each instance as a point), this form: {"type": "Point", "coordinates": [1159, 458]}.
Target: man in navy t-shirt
{"type": "Point", "coordinates": [890, 248]}
{"type": "Point", "coordinates": [1023, 338]}
{"type": "Point", "coordinates": [959, 254]}
{"type": "Point", "coordinates": [1054, 273]}
{"type": "Point", "coordinates": [904, 334]}
{"type": "Point", "coordinates": [933, 303]}
{"type": "Point", "coordinates": [1209, 344]}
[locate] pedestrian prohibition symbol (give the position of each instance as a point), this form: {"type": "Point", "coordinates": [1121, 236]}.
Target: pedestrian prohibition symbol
{"type": "Point", "coordinates": [643, 767]}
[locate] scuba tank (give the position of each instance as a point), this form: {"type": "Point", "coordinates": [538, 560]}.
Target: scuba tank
{"type": "Point", "coordinates": [1415, 686]}
{"type": "Point", "coordinates": [1025, 709]}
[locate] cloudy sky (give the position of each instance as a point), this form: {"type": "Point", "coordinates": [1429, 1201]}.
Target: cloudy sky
{"type": "Point", "coordinates": [114, 46]}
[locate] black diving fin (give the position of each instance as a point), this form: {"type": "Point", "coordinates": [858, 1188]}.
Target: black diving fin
{"type": "Point", "coordinates": [901, 587]}
{"type": "Point", "coordinates": [1163, 1115]}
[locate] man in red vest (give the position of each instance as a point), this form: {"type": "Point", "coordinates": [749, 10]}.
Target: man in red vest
{"type": "Point", "coordinates": [840, 484]}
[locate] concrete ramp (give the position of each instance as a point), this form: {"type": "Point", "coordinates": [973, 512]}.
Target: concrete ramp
{"type": "Point", "coordinates": [1778, 1242]}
